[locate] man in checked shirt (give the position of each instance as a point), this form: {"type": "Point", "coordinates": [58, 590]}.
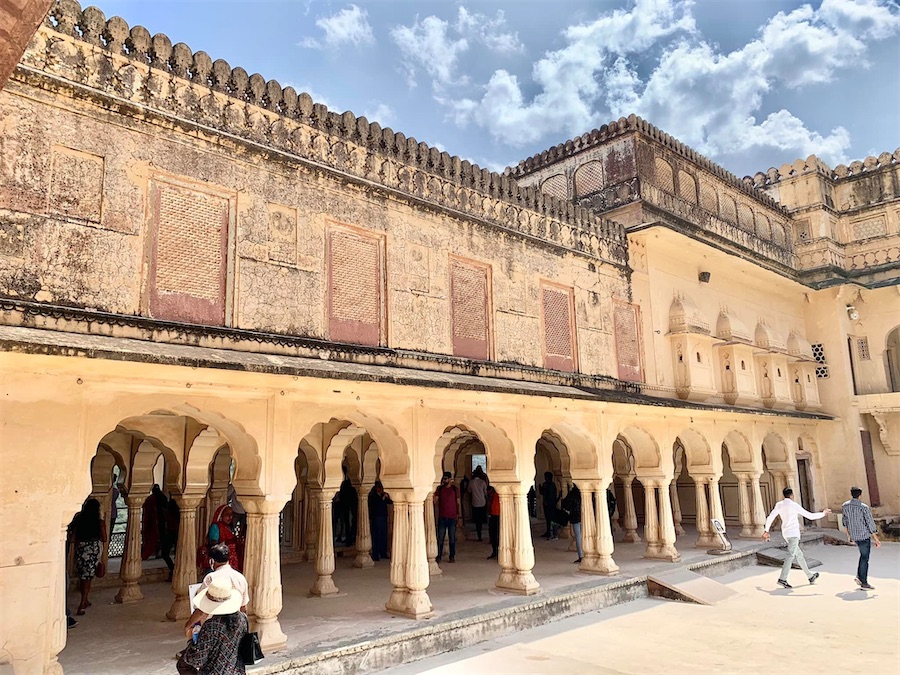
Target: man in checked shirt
{"type": "Point", "coordinates": [861, 530]}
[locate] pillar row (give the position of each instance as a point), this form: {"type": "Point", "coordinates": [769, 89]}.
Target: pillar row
{"type": "Point", "coordinates": [131, 570]}
{"type": "Point", "coordinates": [324, 585]}
{"type": "Point", "coordinates": [516, 548]}
{"type": "Point", "coordinates": [363, 558]}
{"type": "Point", "coordinates": [409, 559]}
{"type": "Point", "coordinates": [185, 572]}
{"type": "Point", "coordinates": [631, 523]}
{"type": "Point", "coordinates": [262, 567]}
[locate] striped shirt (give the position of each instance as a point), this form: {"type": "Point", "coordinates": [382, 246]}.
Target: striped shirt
{"type": "Point", "coordinates": [857, 518]}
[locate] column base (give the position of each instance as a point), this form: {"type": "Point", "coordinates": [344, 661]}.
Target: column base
{"type": "Point", "coordinates": [410, 604]}
{"type": "Point", "coordinates": [180, 609]}
{"type": "Point", "coordinates": [323, 587]}
{"type": "Point", "coordinates": [271, 637]}
{"type": "Point", "coordinates": [599, 566]}
{"type": "Point", "coordinates": [749, 532]}
{"type": "Point", "coordinates": [129, 593]}
{"type": "Point", "coordinates": [514, 581]}
{"type": "Point", "coordinates": [434, 570]}
{"type": "Point", "coordinates": [707, 540]}
{"type": "Point", "coordinates": [668, 553]}
{"type": "Point", "coordinates": [631, 538]}
{"type": "Point", "coordinates": [52, 667]}
{"type": "Point", "coordinates": [679, 530]}
{"type": "Point", "coordinates": [363, 560]}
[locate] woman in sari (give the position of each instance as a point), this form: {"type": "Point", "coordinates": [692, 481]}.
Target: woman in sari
{"type": "Point", "coordinates": [221, 532]}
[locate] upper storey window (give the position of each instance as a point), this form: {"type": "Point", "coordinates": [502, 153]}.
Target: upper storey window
{"type": "Point", "coordinates": [189, 254]}
{"type": "Point", "coordinates": [470, 290]}
{"type": "Point", "coordinates": [558, 327]}
{"type": "Point", "coordinates": [627, 327]}
{"type": "Point", "coordinates": [355, 286]}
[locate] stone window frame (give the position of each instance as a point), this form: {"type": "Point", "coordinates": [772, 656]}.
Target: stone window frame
{"type": "Point", "coordinates": [331, 226]}
{"type": "Point", "coordinates": [232, 266]}
{"type": "Point", "coordinates": [489, 300]}
{"type": "Point", "coordinates": [639, 327]}
{"type": "Point", "coordinates": [553, 361]}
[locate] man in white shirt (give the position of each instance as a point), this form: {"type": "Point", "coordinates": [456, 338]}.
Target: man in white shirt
{"type": "Point", "coordinates": [788, 509]}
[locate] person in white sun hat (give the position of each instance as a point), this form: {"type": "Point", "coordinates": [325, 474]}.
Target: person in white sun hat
{"type": "Point", "coordinates": [215, 651]}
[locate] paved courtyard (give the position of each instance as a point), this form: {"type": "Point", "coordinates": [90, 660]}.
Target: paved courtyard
{"type": "Point", "coordinates": [832, 627]}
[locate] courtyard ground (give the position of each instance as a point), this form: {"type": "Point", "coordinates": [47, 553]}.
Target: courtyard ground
{"type": "Point", "coordinates": [831, 627]}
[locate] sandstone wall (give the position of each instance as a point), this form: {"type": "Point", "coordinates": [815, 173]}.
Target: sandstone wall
{"type": "Point", "coordinates": [88, 184]}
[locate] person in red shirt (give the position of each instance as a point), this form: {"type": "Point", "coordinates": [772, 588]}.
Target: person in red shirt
{"type": "Point", "coordinates": [493, 502]}
{"type": "Point", "coordinates": [447, 499]}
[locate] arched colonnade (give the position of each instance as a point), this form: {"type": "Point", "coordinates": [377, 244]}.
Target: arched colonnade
{"type": "Point", "coordinates": [204, 453]}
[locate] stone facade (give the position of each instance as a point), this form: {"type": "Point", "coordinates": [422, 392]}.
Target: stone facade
{"type": "Point", "coordinates": [203, 271]}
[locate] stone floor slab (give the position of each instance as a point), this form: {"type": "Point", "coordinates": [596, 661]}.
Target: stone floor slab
{"type": "Point", "coordinates": [689, 586]}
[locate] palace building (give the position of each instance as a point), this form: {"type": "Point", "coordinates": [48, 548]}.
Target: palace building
{"type": "Point", "coordinates": [207, 281]}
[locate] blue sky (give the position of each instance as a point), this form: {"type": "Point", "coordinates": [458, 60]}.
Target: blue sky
{"type": "Point", "coordinates": [749, 83]}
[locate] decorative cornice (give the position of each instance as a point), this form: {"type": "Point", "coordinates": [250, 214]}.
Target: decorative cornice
{"type": "Point", "coordinates": [813, 164]}
{"type": "Point", "coordinates": [128, 63]}
{"type": "Point", "coordinates": [635, 124]}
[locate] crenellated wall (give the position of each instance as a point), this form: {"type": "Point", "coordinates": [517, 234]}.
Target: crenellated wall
{"type": "Point", "coordinates": [635, 173]}
{"type": "Point", "coordinates": [846, 220]}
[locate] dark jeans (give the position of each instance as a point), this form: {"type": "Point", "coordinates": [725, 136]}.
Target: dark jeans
{"type": "Point", "coordinates": [445, 525]}
{"type": "Point", "coordinates": [494, 533]}
{"type": "Point", "coordinates": [862, 571]}
{"type": "Point", "coordinates": [379, 527]}
{"type": "Point", "coordinates": [348, 523]}
{"type": "Point", "coordinates": [479, 515]}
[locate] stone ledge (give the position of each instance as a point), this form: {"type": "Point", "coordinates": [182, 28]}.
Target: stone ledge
{"type": "Point", "coordinates": [466, 629]}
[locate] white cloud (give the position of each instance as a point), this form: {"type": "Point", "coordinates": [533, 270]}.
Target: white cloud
{"type": "Point", "coordinates": [434, 45]}
{"type": "Point", "coordinates": [491, 32]}
{"type": "Point", "coordinates": [426, 45]}
{"type": "Point", "coordinates": [381, 113]}
{"type": "Point", "coordinates": [709, 99]}
{"type": "Point", "coordinates": [348, 26]}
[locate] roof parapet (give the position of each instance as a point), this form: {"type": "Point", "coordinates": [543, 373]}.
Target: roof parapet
{"type": "Point", "coordinates": [813, 164]}
{"type": "Point", "coordinates": [630, 124]}
{"type": "Point", "coordinates": [115, 37]}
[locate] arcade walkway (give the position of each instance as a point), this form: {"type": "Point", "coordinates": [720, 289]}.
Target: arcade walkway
{"type": "Point", "coordinates": [137, 639]}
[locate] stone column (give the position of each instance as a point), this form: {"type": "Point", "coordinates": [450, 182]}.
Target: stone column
{"type": "Point", "coordinates": [780, 484]}
{"type": "Point", "coordinates": [516, 548]}
{"type": "Point", "coordinates": [431, 537]}
{"type": "Point", "coordinates": [418, 604]}
{"type": "Point", "coordinates": [588, 531]}
{"type": "Point", "coordinates": [397, 603]}
{"type": "Point", "coordinates": [507, 536]}
{"type": "Point", "coordinates": [715, 503]}
{"type": "Point", "coordinates": [311, 535]}
{"type": "Point", "coordinates": [604, 562]}
{"type": "Point", "coordinates": [56, 630]}
{"type": "Point", "coordinates": [185, 572]}
{"type": "Point", "coordinates": [651, 520]}
{"type": "Point", "coordinates": [667, 550]}
{"type": "Point", "coordinates": [631, 523]}
{"type": "Point", "coordinates": [676, 506]}
{"type": "Point", "coordinates": [131, 559]}
{"type": "Point", "coordinates": [363, 531]}
{"type": "Point", "coordinates": [262, 567]}
{"type": "Point", "coordinates": [758, 510]}
{"type": "Point", "coordinates": [744, 502]}
{"type": "Point", "coordinates": [704, 527]}
{"type": "Point", "coordinates": [324, 585]}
